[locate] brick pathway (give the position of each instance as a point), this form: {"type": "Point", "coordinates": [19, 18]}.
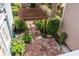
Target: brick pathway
{"type": "Point", "coordinates": [41, 46]}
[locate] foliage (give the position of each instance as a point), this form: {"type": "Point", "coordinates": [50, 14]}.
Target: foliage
{"type": "Point", "coordinates": [19, 24]}
{"type": "Point", "coordinates": [17, 47]}
{"type": "Point", "coordinates": [59, 13]}
{"type": "Point", "coordinates": [63, 37]}
{"type": "Point", "coordinates": [15, 11]}
{"type": "Point", "coordinates": [27, 38]}
{"type": "Point", "coordinates": [18, 5]}
{"type": "Point", "coordinates": [32, 5]}
{"type": "Point", "coordinates": [59, 9]}
{"type": "Point", "coordinates": [15, 8]}
{"type": "Point", "coordinates": [53, 26]}
{"type": "Point", "coordinates": [41, 26]}
{"type": "Point", "coordinates": [60, 38]}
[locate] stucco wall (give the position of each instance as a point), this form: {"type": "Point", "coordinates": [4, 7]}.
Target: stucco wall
{"type": "Point", "coordinates": [71, 25]}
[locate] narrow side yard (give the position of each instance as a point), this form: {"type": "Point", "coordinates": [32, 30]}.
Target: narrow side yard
{"type": "Point", "coordinates": [36, 32]}
{"type": "Point", "coordinates": [39, 45]}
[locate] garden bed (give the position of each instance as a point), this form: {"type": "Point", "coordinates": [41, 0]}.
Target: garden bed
{"type": "Point", "coordinates": [41, 46]}
{"type": "Point", "coordinates": [39, 35]}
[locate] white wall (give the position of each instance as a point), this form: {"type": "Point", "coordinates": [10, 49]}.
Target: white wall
{"type": "Point", "coordinates": [9, 15]}
{"type": "Point", "coordinates": [71, 25]}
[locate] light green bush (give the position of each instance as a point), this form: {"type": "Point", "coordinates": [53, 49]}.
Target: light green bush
{"type": "Point", "coordinates": [15, 11]}
{"type": "Point", "coordinates": [17, 47]}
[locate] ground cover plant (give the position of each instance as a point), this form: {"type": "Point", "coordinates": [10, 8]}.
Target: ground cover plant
{"type": "Point", "coordinates": [17, 47]}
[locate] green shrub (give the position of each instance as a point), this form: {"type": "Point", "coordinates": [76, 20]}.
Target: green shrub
{"type": "Point", "coordinates": [63, 37]}
{"type": "Point", "coordinates": [27, 38]}
{"type": "Point", "coordinates": [19, 24]}
{"type": "Point", "coordinates": [14, 7]}
{"type": "Point", "coordinates": [17, 5]}
{"type": "Point", "coordinates": [41, 26]}
{"type": "Point", "coordinates": [53, 26]}
{"type": "Point", "coordinates": [17, 47]}
{"type": "Point", "coordinates": [15, 11]}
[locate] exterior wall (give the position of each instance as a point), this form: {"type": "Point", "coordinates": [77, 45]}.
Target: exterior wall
{"type": "Point", "coordinates": [5, 29]}
{"type": "Point", "coordinates": [5, 37]}
{"type": "Point", "coordinates": [9, 16]}
{"type": "Point", "coordinates": [71, 25]}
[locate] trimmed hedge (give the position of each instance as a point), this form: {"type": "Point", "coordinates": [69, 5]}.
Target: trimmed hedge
{"type": "Point", "coordinates": [53, 26]}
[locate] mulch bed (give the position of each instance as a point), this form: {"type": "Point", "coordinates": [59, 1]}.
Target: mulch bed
{"type": "Point", "coordinates": [41, 46]}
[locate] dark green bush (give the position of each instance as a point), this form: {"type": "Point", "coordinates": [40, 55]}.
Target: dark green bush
{"type": "Point", "coordinates": [27, 38]}
{"type": "Point", "coordinates": [33, 5]}
{"type": "Point", "coordinates": [17, 47]}
{"type": "Point", "coordinates": [60, 38]}
{"type": "Point", "coordinates": [53, 26]}
{"type": "Point", "coordinates": [19, 24]}
{"type": "Point", "coordinates": [63, 37]}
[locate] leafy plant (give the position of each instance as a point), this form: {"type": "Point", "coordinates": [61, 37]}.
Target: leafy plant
{"type": "Point", "coordinates": [53, 26]}
{"type": "Point", "coordinates": [27, 38]}
{"type": "Point", "coordinates": [17, 5]}
{"type": "Point", "coordinates": [17, 47]}
{"type": "Point", "coordinates": [19, 24]}
{"type": "Point", "coordinates": [41, 26]}
{"type": "Point", "coordinates": [59, 13]}
{"type": "Point", "coordinates": [63, 37]}
{"type": "Point", "coordinates": [14, 7]}
{"type": "Point", "coordinates": [15, 11]}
